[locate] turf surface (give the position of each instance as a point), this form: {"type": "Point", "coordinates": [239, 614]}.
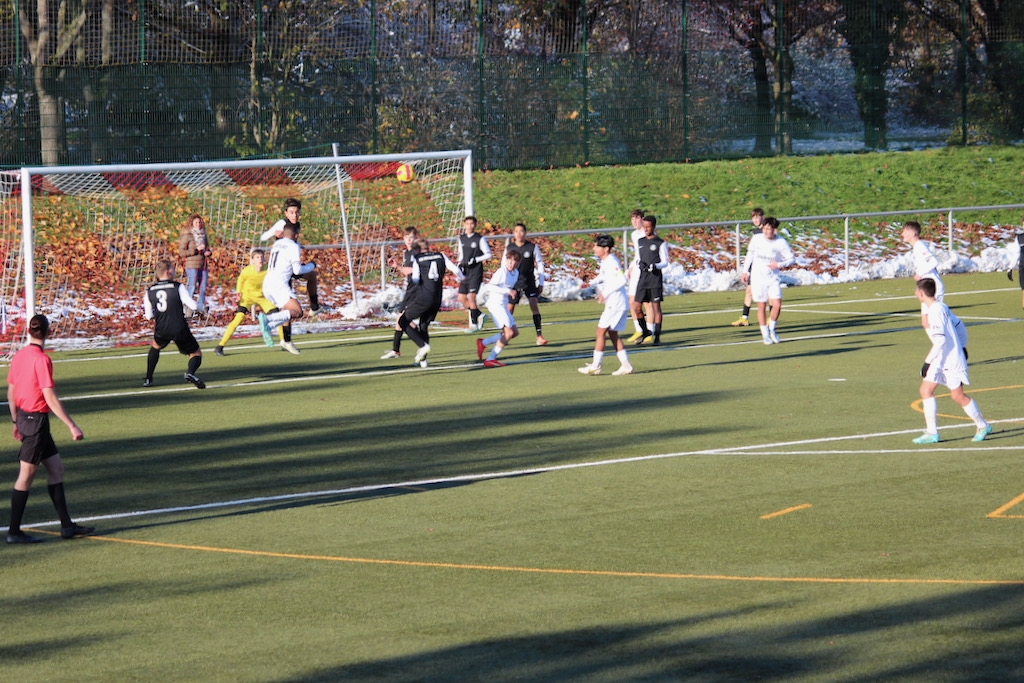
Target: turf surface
{"type": "Point", "coordinates": [732, 511]}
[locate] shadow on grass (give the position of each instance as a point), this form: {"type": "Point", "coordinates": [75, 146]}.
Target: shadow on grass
{"type": "Point", "coordinates": [966, 636]}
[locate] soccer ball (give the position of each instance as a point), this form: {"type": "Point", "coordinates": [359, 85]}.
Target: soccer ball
{"type": "Point", "coordinates": [405, 173]}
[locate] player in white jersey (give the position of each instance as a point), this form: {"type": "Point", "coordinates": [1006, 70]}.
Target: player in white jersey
{"type": "Point", "coordinates": [499, 289]}
{"type": "Point", "coordinates": [766, 253]}
{"type": "Point", "coordinates": [292, 210]}
{"type": "Point", "coordinates": [640, 329]}
{"type": "Point", "coordinates": [945, 364]}
{"type": "Point", "coordinates": [284, 262]}
{"type": "Point", "coordinates": [925, 263]}
{"type": "Point", "coordinates": [611, 289]}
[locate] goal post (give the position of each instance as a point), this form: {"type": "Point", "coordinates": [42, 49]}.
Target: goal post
{"type": "Point", "coordinates": [79, 243]}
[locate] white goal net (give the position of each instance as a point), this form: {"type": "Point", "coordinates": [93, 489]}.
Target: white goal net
{"type": "Point", "coordinates": [79, 244]}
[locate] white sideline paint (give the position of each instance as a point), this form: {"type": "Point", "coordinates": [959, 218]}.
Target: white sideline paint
{"type": "Point", "coordinates": [752, 449]}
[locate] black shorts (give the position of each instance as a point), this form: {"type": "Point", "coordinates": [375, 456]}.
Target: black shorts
{"type": "Point", "coordinates": [648, 295]}
{"type": "Point", "coordinates": [1020, 275]}
{"type": "Point", "coordinates": [425, 313]}
{"type": "Point", "coordinates": [186, 343]}
{"type": "Point", "coordinates": [474, 279]}
{"type": "Point", "coordinates": [36, 441]}
{"type": "Point", "coordinates": [529, 291]}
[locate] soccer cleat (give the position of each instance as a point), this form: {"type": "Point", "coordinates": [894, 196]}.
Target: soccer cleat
{"type": "Point", "coordinates": [541, 341]}
{"type": "Point", "coordinates": [422, 352]}
{"type": "Point", "coordinates": [644, 338]}
{"type": "Point", "coordinates": [492, 363]}
{"type": "Point", "coordinates": [774, 337]}
{"type": "Point", "coordinates": [624, 370]}
{"type": "Point", "coordinates": [927, 438]}
{"type": "Point", "coordinates": [147, 382]}
{"type": "Point", "coordinates": [420, 364]}
{"type": "Point", "coordinates": [391, 354]}
{"type": "Point", "coordinates": [290, 348]}
{"type": "Point", "coordinates": [742, 322]}
{"type": "Point", "coordinates": [636, 337]}
{"type": "Point", "coordinates": [590, 369]}
{"type": "Point", "coordinates": [471, 328]}
{"type": "Point", "coordinates": [480, 320]}
{"type": "Point", "coordinates": [767, 340]}
{"type": "Point", "coordinates": [192, 379]}
{"type": "Point", "coordinates": [265, 329]}
{"type": "Point", "coordinates": [656, 341]}
{"type": "Point", "coordinates": [76, 530]}
{"type": "Point", "coordinates": [480, 348]}
{"type": "Point", "coordinates": [22, 537]}
{"type": "Point", "coordinates": [982, 433]}
{"type": "Point", "coordinates": [219, 350]}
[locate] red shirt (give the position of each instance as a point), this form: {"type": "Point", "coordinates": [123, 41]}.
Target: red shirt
{"type": "Point", "coordinates": [31, 371]}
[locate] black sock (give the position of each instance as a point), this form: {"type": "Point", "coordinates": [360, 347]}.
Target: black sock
{"type": "Point", "coordinates": [151, 361]}
{"type": "Point", "coordinates": [474, 315]}
{"type": "Point", "coordinates": [536, 323]}
{"type": "Point", "coordinates": [18, 501]}
{"type": "Point", "coordinates": [410, 331]}
{"type": "Point", "coordinates": [642, 322]}
{"type": "Point", "coordinates": [746, 311]}
{"type": "Point", "coordinates": [287, 331]}
{"type": "Point", "coordinates": [193, 364]}
{"type": "Point", "coordinates": [314, 300]}
{"type": "Point", "coordinates": [396, 342]}
{"type": "Point", "coordinates": [657, 331]}
{"type": "Point", "coordinates": [57, 496]}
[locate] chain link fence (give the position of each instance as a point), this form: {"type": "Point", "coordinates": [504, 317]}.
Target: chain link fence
{"type": "Point", "coordinates": [523, 83]}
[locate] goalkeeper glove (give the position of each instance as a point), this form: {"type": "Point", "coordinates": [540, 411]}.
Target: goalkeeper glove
{"type": "Point", "coordinates": [1009, 275]}
{"type": "Point", "coordinates": [924, 370]}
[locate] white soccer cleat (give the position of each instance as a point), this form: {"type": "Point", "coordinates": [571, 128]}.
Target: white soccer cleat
{"type": "Point", "coordinates": [471, 328]}
{"type": "Point", "coordinates": [290, 348]}
{"type": "Point", "coordinates": [590, 369]}
{"type": "Point", "coordinates": [767, 340]}
{"type": "Point", "coordinates": [624, 370]}
{"type": "Point", "coordinates": [422, 353]}
{"type": "Point", "coordinates": [391, 354]}
{"type": "Point", "coordinates": [774, 337]}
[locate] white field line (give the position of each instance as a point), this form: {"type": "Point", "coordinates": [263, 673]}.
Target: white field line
{"type": "Point", "coordinates": [751, 449]}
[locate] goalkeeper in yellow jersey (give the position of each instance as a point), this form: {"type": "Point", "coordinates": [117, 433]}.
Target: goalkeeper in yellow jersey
{"type": "Point", "coordinates": [250, 292]}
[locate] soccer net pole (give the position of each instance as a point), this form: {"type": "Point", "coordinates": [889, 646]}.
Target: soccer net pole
{"type": "Point", "coordinates": [344, 229]}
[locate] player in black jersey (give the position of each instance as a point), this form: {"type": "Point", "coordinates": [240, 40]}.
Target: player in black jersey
{"type": "Point", "coordinates": [164, 302]}
{"type": "Point", "coordinates": [531, 275]}
{"type": "Point", "coordinates": [427, 276]}
{"type": "Point", "coordinates": [405, 268]}
{"type": "Point", "coordinates": [651, 259]}
{"type": "Point", "coordinates": [473, 251]}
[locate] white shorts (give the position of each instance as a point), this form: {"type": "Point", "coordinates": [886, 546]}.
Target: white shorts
{"type": "Point", "coordinates": [950, 379]}
{"type": "Point", "coordinates": [613, 317]}
{"type": "Point", "coordinates": [500, 315]}
{"type": "Point", "coordinates": [940, 291]}
{"type": "Point", "coordinates": [765, 289]}
{"type": "Point", "coordinates": [279, 295]}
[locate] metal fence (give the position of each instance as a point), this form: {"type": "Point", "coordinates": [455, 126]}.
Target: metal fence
{"type": "Point", "coordinates": [523, 83]}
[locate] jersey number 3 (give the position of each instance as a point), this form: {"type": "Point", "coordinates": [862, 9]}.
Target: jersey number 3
{"type": "Point", "coordinates": [161, 301]}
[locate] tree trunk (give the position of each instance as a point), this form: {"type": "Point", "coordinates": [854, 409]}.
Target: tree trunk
{"type": "Point", "coordinates": [53, 146]}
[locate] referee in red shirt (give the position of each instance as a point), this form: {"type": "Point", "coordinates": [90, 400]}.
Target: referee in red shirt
{"type": "Point", "coordinates": [31, 398]}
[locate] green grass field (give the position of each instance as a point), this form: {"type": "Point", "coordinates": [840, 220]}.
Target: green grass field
{"type": "Point", "coordinates": [730, 512]}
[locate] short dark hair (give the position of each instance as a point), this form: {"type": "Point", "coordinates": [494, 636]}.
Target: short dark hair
{"type": "Point", "coordinates": [771, 221]}
{"type": "Point", "coordinates": [604, 240]}
{"type": "Point", "coordinates": [470, 218]}
{"type": "Point", "coordinates": [636, 212]}
{"type": "Point", "coordinates": [652, 219]}
{"type": "Point", "coordinates": [756, 211]}
{"type": "Point", "coordinates": [514, 255]}
{"type": "Point", "coordinates": [292, 201]}
{"type": "Point", "coordinates": [913, 225]}
{"type": "Point", "coordinates": [411, 230]}
{"type": "Point", "coordinates": [164, 267]}
{"type": "Point", "coordinates": [39, 326]}
{"type": "Point", "coordinates": [421, 245]}
{"type": "Point", "coordinates": [927, 287]}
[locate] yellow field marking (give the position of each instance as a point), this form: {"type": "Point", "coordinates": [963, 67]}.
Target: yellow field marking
{"type": "Point", "coordinates": [916, 405]}
{"type": "Point", "coordinates": [802, 506]}
{"type": "Point", "coordinates": [998, 512]}
{"type": "Point", "coordinates": [557, 571]}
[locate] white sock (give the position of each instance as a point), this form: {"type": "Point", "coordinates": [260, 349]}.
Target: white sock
{"type": "Point", "coordinates": [621, 355]}
{"type": "Point", "coordinates": [975, 414]}
{"type": "Point", "coordinates": [597, 358]}
{"type": "Point", "coordinates": [494, 352]}
{"type": "Point", "coordinates": [764, 331]}
{"type": "Point", "coordinates": [278, 319]}
{"type": "Point", "coordinates": [771, 325]}
{"type": "Point", "coordinates": [493, 339]}
{"type": "Point", "coordinates": [931, 415]}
